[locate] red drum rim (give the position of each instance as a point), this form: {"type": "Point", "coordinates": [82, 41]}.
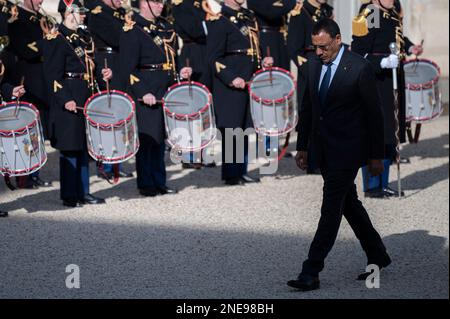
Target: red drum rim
{"type": "Point", "coordinates": [423, 119]}
{"type": "Point", "coordinates": [114, 160]}
{"type": "Point", "coordinates": [24, 171]}
{"type": "Point", "coordinates": [428, 85]}
{"type": "Point", "coordinates": [22, 130]}
{"type": "Point", "coordinates": [192, 149]}
{"type": "Point", "coordinates": [188, 116]}
{"type": "Point", "coordinates": [285, 131]}
{"type": "Point", "coordinates": [108, 126]}
{"type": "Point", "coordinates": [268, 101]}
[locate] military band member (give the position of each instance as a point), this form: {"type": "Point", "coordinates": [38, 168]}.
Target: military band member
{"type": "Point", "coordinates": [272, 20]}
{"type": "Point", "coordinates": [68, 64]}
{"type": "Point", "coordinates": [190, 25]}
{"type": "Point", "coordinates": [234, 55]}
{"type": "Point", "coordinates": [26, 39]}
{"type": "Point", "coordinates": [7, 91]}
{"type": "Point", "coordinates": [373, 44]}
{"type": "Point", "coordinates": [148, 57]}
{"type": "Point", "coordinates": [105, 22]}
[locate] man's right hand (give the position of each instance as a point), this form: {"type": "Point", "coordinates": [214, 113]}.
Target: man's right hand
{"type": "Point", "coordinates": [71, 106]}
{"type": "Point", "coordinates": [376, 167]}
{"type": "Point", "coordinates": [149, 99]}
{"type": "Point", "coordinates": [239, 83]}
{"type": "Point", "coordinates": [302, 160]}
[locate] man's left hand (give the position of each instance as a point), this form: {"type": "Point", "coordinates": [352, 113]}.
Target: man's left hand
{"type": "Point", "coordinates": [268, 62]}
{"type": "Point", "coordinates": [18, 91]}
{"type": "Point", "coordinates": [417, 50]}
{"type": "Point", "coordinates": [186, 73]}
{"type": "Point", "coordinates": [107, 74]}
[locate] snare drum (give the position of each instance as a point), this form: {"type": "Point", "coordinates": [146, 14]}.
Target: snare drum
{"type": "Point", "coordinates": [423, 97]}
{"type": "Point", "coordinates": [189, 117]}
{"type": "Point", "coordinates": [111, 127]}
{"type": "Point", "coordinates": [273, 102]}
{"type": "Point", "coordinates": [22, 148]}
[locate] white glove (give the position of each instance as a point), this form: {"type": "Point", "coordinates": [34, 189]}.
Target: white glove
{"type": "Point", "coordinates": [391, 62]}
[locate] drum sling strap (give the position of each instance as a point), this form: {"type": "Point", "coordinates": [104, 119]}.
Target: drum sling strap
{"type": "Point", "coordinates": [105, 176]}
{"type": "Point", "coordinates": [8, 182]}
{"type": "Point", "coordinates": [413, 139]}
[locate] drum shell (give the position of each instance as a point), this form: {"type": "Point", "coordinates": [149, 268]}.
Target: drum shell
{"type": "Point", "coordinates": [191, 132]}
{"type": "Point", "coordinates": [29, 156]}
{"type": "Point", "coordinates": [424, 100]}
{"type": "Point", "coordinates": [275, 117]}
{"type": "Point", "coordinates": [112, 143]}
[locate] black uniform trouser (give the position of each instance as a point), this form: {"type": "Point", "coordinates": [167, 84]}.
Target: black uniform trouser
{"type": "Point", "coordinates": [150, 165]}
{"type": "Point", "coordinates": [74, 174]}
{"type": "Point", "coordinates": [238, 165]}
{"type": "Point", "coordinates": [340, 198]}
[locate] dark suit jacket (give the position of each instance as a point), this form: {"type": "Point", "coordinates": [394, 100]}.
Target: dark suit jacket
{"type": "Point", "coordinates": [348, 130]}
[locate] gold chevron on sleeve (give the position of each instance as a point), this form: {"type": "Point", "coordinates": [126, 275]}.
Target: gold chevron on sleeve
{"type": "Point", "coordinates": [220, 67]}
{"type": "Point", "coordinates": [134, 79]}
{"type": "Point", "coordinates": [278, 3]}
{"type": "Point", "coordinates": [33, 46]}
{"type": "Point", "coordinates": [56, 86]}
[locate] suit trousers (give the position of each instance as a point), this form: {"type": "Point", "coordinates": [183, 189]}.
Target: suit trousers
{"type": "Point", "coordinates": [150, 165]}
{"type": "Point", "coordinates": [74, 174]}
{"type": "Point", "coordinates": [340, 198]}
{"type": "Point", "coordinates": [238, 165]}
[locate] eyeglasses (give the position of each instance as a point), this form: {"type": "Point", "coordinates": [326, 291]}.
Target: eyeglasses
{"type": "Point", "coordinates": [324, 47]}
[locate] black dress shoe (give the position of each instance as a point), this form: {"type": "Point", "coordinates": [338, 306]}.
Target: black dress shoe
{"type": "Point", "coordinates": [249, 180]}
{"type": "Point", "coordinates": [72, 203]}
{"type": "Point", "coordinates": [375, 193]}
{"type": "Point", "coordinates": [3, 214]}
{"type": "Point", "coordinates": [192, 166]}
{"type": "Point", "coordinates": [234, 181]}
{"type": "Point", "coordinates": [386, 261]}
{"type": "Point", "coordinates": [164, 190]}
{"type": "Point", "coordinates": [389, 192]}
{"type": "Point", "coordinates": [305, 283]}
{"type": "Point", "coordinates": [123, 174]}
{"type": "Point", "coordinates": [209, 165]}
{"type": "Point", "coordinates": [148, 192]}
{"type": "Point", "coordinates": [92, 200]}
{"type": "Point", "coordinates": [38, 182]}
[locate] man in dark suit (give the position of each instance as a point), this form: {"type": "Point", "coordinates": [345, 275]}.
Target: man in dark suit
{"type": "Point", "coordinates": [341, 122]}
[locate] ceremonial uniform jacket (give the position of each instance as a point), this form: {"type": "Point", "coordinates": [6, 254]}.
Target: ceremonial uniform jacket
{"type": "Point", "coordinates": [66, 67]}
{"type": "Point", "coordinates": [272, 19]}
{"type": "Point", "coordinates": [190, 25]}
{"type": "Point", "coordinates": [148, 64]}
{"type": "Point", "coordinates": [233, 51]}
{"type": "Point", "coordinates": [105, 25]}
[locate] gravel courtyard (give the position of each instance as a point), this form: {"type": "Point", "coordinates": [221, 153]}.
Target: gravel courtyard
{"type": "Point", "coordinates": [211, 241]}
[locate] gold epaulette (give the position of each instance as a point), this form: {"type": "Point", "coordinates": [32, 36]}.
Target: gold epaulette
{"type": "Point", "coordinates": [53, 34]}
{"type": "Point", "coordinates": [213, 17]}
{"type": "Point", "coordinates": [129, 23]}
{"type": "Point", "coordinates": [96, 10]}
{"type": "Point", "coordinates": [177, 2]}
{"type": "Point", "coordinates": [360, 27]}
{"type": "Point", "coordinates": [297, 10]}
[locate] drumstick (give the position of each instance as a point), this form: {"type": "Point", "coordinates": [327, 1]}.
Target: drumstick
{"type": "Point", "coordinates": [259, 81]}
{"type": "Point", "coordinates": [416, 62]}
{"type": "Point", "coordinates": [189, 78]}
{"type": "Point", "coordinates": [22, 82]}
{"type": "Point", "coordinates": [107, 86]}
{"type": "Point", "coordinates": [270, 71]}
{"type": "Point", "coordinates": [166, 102]}
{"type": "Point", "coordinates": [95, 111]}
